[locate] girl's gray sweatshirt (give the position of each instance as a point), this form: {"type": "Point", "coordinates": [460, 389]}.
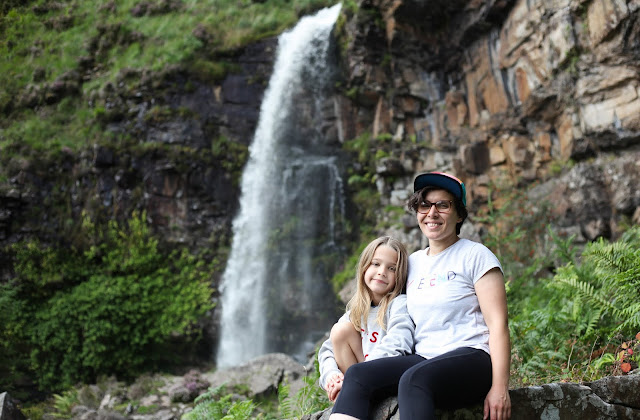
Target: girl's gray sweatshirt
{"type": "Point", "coordinates": [397, 340]}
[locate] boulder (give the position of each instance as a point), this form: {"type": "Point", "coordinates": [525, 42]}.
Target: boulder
{"type": "Point", "coordinates": [262, 375]}
{"type": "Point", "coordinates": [9, 409]}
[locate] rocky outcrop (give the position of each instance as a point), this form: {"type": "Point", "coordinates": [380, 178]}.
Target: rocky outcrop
{"type": "Point", "coordinates": [608, 398]}
{"type": "Point", "coordinates": [262, 375]}
{"type": "Point", "coordinates": [167, 397]}
{"type": "Point", "coordinates": [502, 93]}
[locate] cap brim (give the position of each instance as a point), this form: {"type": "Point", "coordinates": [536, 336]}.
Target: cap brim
{"type": "Point", "coordinates": [446, 182]}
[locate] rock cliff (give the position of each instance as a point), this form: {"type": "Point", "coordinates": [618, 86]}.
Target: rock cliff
{"type": "Point", "coordinates": [503, 93]}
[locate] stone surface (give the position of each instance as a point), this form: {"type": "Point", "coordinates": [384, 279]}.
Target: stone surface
{"type": "Point", "coordinates": [9, 409]}
{"type": "Point", "coordinates": [608, 398]}
{"type": "Point", "coordinates": [262, 375]}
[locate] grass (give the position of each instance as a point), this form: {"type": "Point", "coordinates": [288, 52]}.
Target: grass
{"type": "Point", "coordinates": [30, 133]}
{"type": "Point", "coordinates": [43, 40]}
{"type": "Point", "coordinates": [32, 40]}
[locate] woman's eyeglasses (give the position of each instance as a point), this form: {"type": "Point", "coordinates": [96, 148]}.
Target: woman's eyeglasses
{"type": "Point", "coordinates": [443, 206]}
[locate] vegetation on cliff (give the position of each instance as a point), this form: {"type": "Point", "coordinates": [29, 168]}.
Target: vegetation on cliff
{"type": "Point", "coordinates": [59, 56]}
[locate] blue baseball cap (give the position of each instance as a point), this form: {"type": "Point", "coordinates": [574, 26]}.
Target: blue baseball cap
{"type": "Point", "coordinates": [441, 180]}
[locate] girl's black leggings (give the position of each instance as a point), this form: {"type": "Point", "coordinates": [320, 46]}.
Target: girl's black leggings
{"type": "Point", "coordinates": [458, 378]}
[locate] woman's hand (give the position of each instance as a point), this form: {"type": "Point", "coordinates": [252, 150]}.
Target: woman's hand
{"type": "Point", "coordinates": [497, 404]}
{"type": "Point", "coordinates": [334, 385]}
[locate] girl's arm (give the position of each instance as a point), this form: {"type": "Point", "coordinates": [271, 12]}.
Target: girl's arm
{"type": "Point", "coordinates": [398, 340]}
{"type": "Point", "coordinates": [327, 360]}
{"type": "Point", "coordinates": [493, 304]}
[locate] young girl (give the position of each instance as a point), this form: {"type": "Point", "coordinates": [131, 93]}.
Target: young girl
{"type": "Point", "coordinates": [376, 323]}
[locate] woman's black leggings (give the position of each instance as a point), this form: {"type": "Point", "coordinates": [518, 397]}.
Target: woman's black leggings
{"type": "Point", "coordinates": [457, 378]}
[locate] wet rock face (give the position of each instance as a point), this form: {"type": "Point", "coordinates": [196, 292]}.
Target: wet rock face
{"type": "Point", "coordinates": [196, 137]}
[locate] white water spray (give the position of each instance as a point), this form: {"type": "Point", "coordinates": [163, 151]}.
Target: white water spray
{"type": "Point", "coordinates": [291, 207]}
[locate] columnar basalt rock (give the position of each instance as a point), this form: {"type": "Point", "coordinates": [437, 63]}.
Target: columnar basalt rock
{"type": "Point", "coordinates": [505, 93]}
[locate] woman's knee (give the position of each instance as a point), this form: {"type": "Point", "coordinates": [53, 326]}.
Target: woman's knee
{"type": "Point", "coordinates": [413, 378]}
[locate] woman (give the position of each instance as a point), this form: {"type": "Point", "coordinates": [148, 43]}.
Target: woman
{"type": "Point", "coordinates": [457, 300]}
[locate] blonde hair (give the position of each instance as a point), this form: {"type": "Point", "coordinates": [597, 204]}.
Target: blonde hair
{"type": "Point", "coordinates": [360, 303]}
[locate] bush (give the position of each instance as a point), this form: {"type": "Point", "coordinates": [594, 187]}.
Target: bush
{"type": "Point", "coordinates": [112, 308]}
{"type": "Point", "coordinates": [570, 326]}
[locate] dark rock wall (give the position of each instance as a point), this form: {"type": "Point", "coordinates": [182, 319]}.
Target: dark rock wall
{"type": "Point", "coordinates": [178, 149]}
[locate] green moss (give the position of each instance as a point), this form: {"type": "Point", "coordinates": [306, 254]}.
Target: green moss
{"type": "Point", "coordinates": [231, 155]}
{"type": "Point", "coordinates": [46, 132]}
{"type": "Point", "coordinates": [211, 71]}
{"type": "Point", "coordinates": [340, 279]}
{"type": "Point", "coordinates": [384, 137]}
{"type": "Point", "coordinates": [147, 409]}
{"type": "Point", "coordinates": [360, 145]}
{"type": "Point", "coordinates": [381, 154]}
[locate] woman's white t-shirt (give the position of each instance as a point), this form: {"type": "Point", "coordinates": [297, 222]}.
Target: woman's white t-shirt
{"type": "Point", "coordinates": [441, 298]}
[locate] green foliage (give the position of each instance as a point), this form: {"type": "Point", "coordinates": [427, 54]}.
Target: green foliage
{"type": "Point", "coordinates": [230, 155]}
{"type": "Point", "coordinates": [348, 272]}
{"type": "Point", "coordinates": [211, 71]}
{"type": "Point", "coordinates": [567, 310]}
{"type": "Point", "coordinates": [608, 281]}
{"type": "Point", "coordinates": [384, 137]}
{"type": "Point", "coordinates": [64, 403]}
{"type": "Point", "coordinates": [36, 135]}
{"type": "Point", "coordinates": [311, 398]}
{"type": "Point", "coordinates": [113, 307]}
{"type": "Point", "coordinates": [360, 145]}
{"type": "Point", "coordinates": [380, 153]}
{"type": "Point", "coordinates": [45, 45]}
{"type": "Point", "coordinates": [213, 404]}
{"type": "Point", "coordinates": [566, 329]}
{"type": "Point", "coordinates": [515, 232]}
{"type": "Point", "coordinates": [53, 36]}
{"type": "Point", "coordinates": [220, 403]}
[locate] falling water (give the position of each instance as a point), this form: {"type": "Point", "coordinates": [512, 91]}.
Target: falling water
{"type": "Point", "coordinates": [275, 291]}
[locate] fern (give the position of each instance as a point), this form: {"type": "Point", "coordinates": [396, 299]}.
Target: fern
{"type": "Point", "coordinates": [309, 399]}
{"type": "Point", "coordinates": [213, 405]}
{"type": "Point", "coordinates": [284, 402]}
{"type": "Point", "coordinates": [608, 281]}
{"type": "Point", "coordinates": [562, 329]}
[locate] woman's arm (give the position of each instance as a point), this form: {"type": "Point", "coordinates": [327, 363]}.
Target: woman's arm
{"type": "Point", "coordinates": [493, 304]}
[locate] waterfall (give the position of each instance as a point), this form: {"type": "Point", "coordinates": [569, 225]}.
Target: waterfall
{"type": "Point", "coordinates": [275, 292]}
